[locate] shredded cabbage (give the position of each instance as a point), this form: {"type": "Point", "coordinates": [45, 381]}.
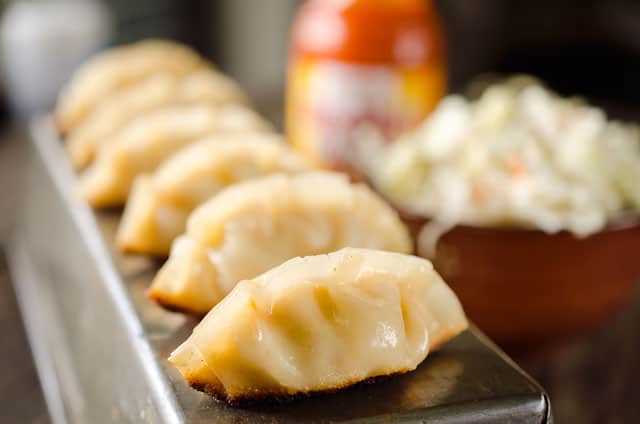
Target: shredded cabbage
{"type": "Point", "coordinates": [518, 156]}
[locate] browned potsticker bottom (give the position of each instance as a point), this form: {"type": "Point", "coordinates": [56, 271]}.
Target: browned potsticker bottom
{"type": "Point", "coordinates": [173, 307]}
{"type": "Point", "coordinates": [261, 397]}
{"type": "Point", "coordinates": [130, 248]}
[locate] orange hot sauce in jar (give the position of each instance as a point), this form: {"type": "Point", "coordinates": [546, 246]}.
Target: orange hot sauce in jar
{"type": "Point", "coordinates": [356, 63]}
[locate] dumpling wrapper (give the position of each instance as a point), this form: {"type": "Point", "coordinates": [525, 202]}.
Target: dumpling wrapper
{"type": "Point", "coordinates": [255, 225]}
{"type": "Point", "coordinates": [320, 323]}
{"type": "Point", "coordinates": [203, 86]}
{"type": "Point", "coordinates": [146, 142]}
{"type": "Point", "coordinates": [117, 68]}
{"type": "Point", "coordinates": [159, 205]}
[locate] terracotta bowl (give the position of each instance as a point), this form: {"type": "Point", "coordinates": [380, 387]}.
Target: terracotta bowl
{"type": "Point", "coordinates": [527, 289]}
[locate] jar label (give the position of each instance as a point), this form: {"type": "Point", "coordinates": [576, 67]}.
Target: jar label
{"type": "Point", "coordinates": [329, 101]}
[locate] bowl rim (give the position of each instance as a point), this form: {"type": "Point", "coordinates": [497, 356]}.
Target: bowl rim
{"type": "Point", "coordinates": [624, 222]}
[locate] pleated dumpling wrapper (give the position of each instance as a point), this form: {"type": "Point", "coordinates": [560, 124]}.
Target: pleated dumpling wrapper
{"type": "Point", "coordinates": [255, 225]}
{"type": "Point", "coordinates": [146, 142]}
{"type": "Point", "coordinates": [159, 205]}
{"type": "Point", "coordinates": [203, 86]}
{"type": "Point", "coordinates": [320, 323]}
{"type": "Point", "coordinates": [117, 68]}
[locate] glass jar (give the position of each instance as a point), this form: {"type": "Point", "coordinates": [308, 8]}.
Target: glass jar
{"type": "Point", "coordinates": [357, 63]}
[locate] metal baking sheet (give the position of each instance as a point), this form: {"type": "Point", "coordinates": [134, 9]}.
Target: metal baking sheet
{"type": "Point", "coordinates": [101, 345]}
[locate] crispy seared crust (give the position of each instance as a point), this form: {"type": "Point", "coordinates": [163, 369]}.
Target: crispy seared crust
{"type": "Point", "coordinates": [260, 397]}
{"type": "Point", "coordinates": [217, 390]}
{"type": "Point", "coordinates": [170, 306]}
{"type": "Point", "coordinates": [60, 125]}
{"type": "Point", "coordinates": [132, 249]}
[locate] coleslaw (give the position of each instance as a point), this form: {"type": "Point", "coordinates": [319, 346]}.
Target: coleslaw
{"type": "Point", "coordinates": [518, 156]}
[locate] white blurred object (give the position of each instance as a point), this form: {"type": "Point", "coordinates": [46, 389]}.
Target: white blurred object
{"type": "Point", "coordinates": [42, 42]}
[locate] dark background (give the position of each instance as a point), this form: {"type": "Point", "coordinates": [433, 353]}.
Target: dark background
{"type": "Point", "coordinates": [586, 47]}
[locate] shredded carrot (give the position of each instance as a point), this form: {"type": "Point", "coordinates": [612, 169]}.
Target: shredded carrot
{"type": "Point", "coordinates": [516, 166]}
{"type": "Point", "coordinates": [478, 194]}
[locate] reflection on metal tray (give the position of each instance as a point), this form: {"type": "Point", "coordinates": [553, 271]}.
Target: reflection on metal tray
{"type": "Point", "coordinates": [102, 346]}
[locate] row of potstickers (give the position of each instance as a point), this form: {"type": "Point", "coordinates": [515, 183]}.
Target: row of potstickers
{"type": "Point", "coordinates": [255, 238]}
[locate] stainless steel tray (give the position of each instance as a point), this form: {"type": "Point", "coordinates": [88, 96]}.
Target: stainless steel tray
{"type": "Point", "coordinates": [100, 344]}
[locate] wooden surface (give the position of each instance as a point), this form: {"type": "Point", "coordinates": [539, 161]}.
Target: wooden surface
{"type": "Point", "coordinates": [595, 378]}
